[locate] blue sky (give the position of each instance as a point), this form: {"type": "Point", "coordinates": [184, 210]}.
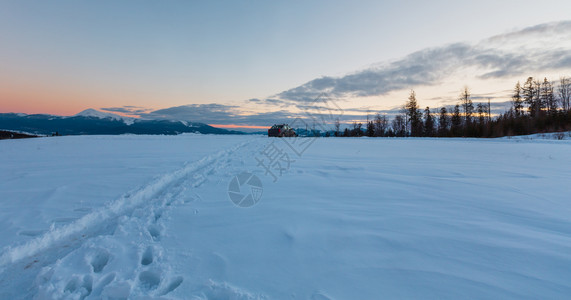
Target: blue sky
{"type": "Point", "coordinates": [62, 57]}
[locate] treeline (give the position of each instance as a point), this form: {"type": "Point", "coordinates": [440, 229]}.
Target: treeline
{"type": "Point", "coordinates": [536, 106]}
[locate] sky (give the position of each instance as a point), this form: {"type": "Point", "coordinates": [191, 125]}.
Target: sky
{"type": "Point", "coordinates": [255, 63]}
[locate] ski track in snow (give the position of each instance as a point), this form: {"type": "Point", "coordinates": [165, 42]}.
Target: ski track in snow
{"type": "Point", "coordinates": [356, 218]}
{"type": "Point", "coordinates": [96, 245]}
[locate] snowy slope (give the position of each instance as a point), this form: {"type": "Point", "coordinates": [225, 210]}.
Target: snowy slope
{"type": "Point", "coordinates": [542, 136]}
{"type": "Point", "coordinates": [90, 112]}
{"type": "Point", "coordinates": [59, 179]}
{"type": "Point", "coordinates": [125, 217]}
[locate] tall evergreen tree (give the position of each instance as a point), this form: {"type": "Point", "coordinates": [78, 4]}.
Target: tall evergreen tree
{"type": "Point", "coordinates": [456, 121]}
{"type": "Point", "coordinates": [443, 122]}
{"type": "Point", "coordinates": [517, 100]}
{"type": "Point", "coordinates": [428, 122]}
{"type": "Point", "coordinates": [370, 128]}
{"type": "Point", "coordinates": [414, 115]}
{"type": "Point", "coordinates": [467, 105]}
{"type": "Point", "coordinates": [528, 92]}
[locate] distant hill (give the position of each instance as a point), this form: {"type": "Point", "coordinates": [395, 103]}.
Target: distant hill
{"type": "Point", "coordinates": [91, 121]}
{"type": "Point", "coordinates": [14, 135]}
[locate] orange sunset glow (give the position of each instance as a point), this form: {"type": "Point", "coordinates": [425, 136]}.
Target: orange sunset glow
{"type": "Point", "coordinates": [61, 60]}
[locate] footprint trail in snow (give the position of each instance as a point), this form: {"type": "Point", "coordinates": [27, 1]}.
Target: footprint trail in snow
{"type": "Point", "coordinates": [113, 252]}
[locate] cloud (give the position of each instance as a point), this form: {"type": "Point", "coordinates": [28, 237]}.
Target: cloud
{"type": "Point", "coordinates": [194, 112]}
{"type": "Point", "coordinates": [271, 101]}
{"type": "Point", "coordinates": [420, 68]}
{"type": "Point", "coordinates": [127, 109]}
{"type": "Point", "coordinates": [219, 114]}
{"type": "Point", "coordinates": [552, 28]}
{"type": "Point", "coordinates": [498, 57]}
{"type": "Point", "coordinates": [233, 115]}
{"type": "Point", "coordinates": [318, 116]}
{"type": "Point", "coordinates": [541, 48]}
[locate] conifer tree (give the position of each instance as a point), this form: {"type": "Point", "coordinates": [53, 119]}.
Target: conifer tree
{"type": "Point", "coordinates": [467, 105]}
{"type": "Point", "coordinates": [528, 92]}
{"type": "Point", "coordinates": [456, 121]}
{"type": "Point", "coordinates": [517, 100]}
{"type": "Point", "coordinates": [414, 115]}
{"type": "Point", "coordinates": [428, 122]}
{"type": "Point", "coordinates": [443, 121]}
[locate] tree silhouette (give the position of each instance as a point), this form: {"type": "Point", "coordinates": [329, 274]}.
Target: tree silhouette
{"type": "Point", "coordinates": [381, 124]}
{"type": "Point", "coordinates": [547, 97]}
{"type": "Point", "coordinates": [456, 121]}
{"type": "Point", "coordinates": [517, 101]}
{"type": "Point", "coordinates": [428, 122]}
{"type": "Point", "coordinates": [467, 105]}
{"type": "Point", "coordinates": [443, 122]}
{"type": "Point", "coordinates": [564, 92]}
{"type": "Point", "coordinates": [414, 115]}
{"type": "Point", "coordinates": [528, 91]}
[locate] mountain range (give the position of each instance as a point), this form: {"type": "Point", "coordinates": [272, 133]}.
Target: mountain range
{"type": "Point", "coordinates": [91, 121]}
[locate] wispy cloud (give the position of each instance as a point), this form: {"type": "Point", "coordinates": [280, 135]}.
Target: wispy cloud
{"type": "Point", "coordinates": [127, 109]}
{"type": "Point", "coordinates": [230, 116]}
{"type": "Point", "coordinates": [218, 114]}
{"type": "Point", "coordinates": [194, 112]}
{"type": "Point", "coordinates": [520, 53]}
{"type": "Point", "coordinates": [496, 57]}
{"type": "Point", "coordinates": [540, 30]}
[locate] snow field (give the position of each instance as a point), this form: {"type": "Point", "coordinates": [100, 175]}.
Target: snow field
{"type": "Point", "coordinates": [389, 218]}
{"type": "Point", "coordinates": [349, 218]}
{"type": "Point", "coordinates": [121, 226]}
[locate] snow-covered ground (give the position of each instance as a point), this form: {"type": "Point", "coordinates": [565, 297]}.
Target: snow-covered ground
{"type": "Point", "coordinates": [119, 217]}
{"type": "Point", "coordinates": [566, 135]}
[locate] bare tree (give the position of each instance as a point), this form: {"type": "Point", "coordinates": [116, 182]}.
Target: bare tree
{"type": "Point", "coordinates": [539, 105]}
{"type": "Point", "coordinates": [564, 92]}
{"type": "Point", "coordinates": [381, 124]}
{"type": "Point", "coordinates": [547, 97]}
{"type": "Point", "coordinates": [337, 125]}
{"type": "Point", "coordinates": [399, 125]}
{"type": "Point", "coordinates": [489, 111]}
{"type": "Point", "coordinates": [356, 131]}
{"type": "Point", "coordinates": [481, 114]}
{"type": "Point", "coordinates": [314, 131]}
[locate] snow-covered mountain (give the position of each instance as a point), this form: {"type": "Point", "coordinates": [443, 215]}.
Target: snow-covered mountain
{"type": "Point", "coordinates": [91, 121]}
{"type": "Point", "coordinates": [93, 113]}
